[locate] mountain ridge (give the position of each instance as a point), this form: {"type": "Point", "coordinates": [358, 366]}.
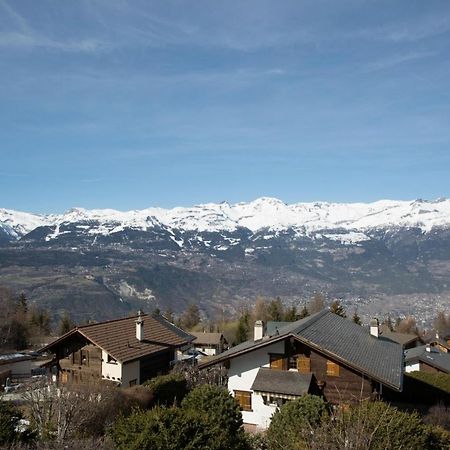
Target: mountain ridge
{"type": "Point", "coordinates": [381, 257]}
{"type": "Point", "coordinates": [264, 212]}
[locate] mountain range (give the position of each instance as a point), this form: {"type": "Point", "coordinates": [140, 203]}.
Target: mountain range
{"type": "Point", "coordinates": [381, 257]}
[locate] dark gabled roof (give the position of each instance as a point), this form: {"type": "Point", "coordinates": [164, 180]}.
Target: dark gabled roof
{"type": "Point", "coordinates": [118, 337]}
{"type": "Point", "coordinates": [433, 357]}
{"type": "Point", "coordinates": [207, 338]}
{"type": "Point", "coordinates": [272, 327]}
{"type": "Point", "coordinates": [400, 338]}
{"type": "Point", "coordinates": [284, 382]}
{"type": "Point", "coordinates": [379, 358]}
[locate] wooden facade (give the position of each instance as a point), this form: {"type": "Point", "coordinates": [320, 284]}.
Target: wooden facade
{"type": "Point", "coordinates": [429, 369]}
{"type": "Point", "coordinates": [338, 383]}
{"type": "Point", "coordinates": [81, 365]}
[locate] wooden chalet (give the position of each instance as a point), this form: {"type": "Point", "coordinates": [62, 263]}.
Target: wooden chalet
{"type": "Point", "coordinates": [125, 351]}
{"type": "Point", "coordinates": [323, 354]}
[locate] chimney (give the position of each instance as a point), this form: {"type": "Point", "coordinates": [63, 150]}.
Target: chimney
{"type": "Point", "coordinates": [259, 330]}
{"type": "Point", "coordinates": [139, 327]}
{"type": "Point", "coordinates": [374, 328]}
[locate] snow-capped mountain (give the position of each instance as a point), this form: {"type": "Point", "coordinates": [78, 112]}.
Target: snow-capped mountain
{"type": "Point", "coordinates": [386, 256]}
{"type": "Point", "coordinates": [263, 213]}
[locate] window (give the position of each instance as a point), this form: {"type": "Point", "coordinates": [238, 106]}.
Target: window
{"type": "Point", "coordinates": [304, 364]}
{"type": "Point", "coordinates": [84, 356]}
{"type": "Point", "coordinates": [111, 360]}
{"type": "Point", "coordinates": [292, 364]}
{"type": "Point", "coordinates": [332, 369]}
{"type": "Point", "coordinates": [278, 362]}
{"type": "Point", "coordinates": [244, 399]}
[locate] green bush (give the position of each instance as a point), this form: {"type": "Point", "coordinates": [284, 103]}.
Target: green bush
{"type": "Point", "coordinates": [172, 429]}
{"type": "Point", "coordinates": [9, 425]}
{"type": "Point", "coordinates": [217, 404]}
{"type": "Point", "coordinates": [208, 419]}
{"type": "Point", "coordinates": [168, 389]}
{"type": "Point", "coordinates": [437, 438]}
{"type": "Point", "coordinates": [295, 421]}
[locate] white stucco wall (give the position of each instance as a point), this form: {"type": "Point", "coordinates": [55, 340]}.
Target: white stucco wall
{"type": "Point", "coordinates": [111, 371]}
{"type": "Point", "coordinates": [242, 373]}
{"type": "Point", "coordinates": [412, 367]}
{"type": "Point", "coordinates": [209, 351]}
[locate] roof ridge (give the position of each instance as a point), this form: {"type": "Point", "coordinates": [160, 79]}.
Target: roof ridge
{"type": "Point", "coordinates": [312, 319]}
{"type": "Point", "coordinates": [111, 320]}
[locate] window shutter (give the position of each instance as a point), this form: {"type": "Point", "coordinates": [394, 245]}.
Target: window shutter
{"type": "Point", "coordinates": [303, 364]}
{"type": "Point", "coordinates": [332, 369]}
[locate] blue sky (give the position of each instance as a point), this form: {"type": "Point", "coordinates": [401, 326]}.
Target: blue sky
{"type": "Point", "coordinates": [130, 104]}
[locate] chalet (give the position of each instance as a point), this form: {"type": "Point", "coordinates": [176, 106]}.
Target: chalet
{"type": "Point", "coordinates": [406, 340]}
{"type": "Point", "coordinates": [427, 359]}
{"type": "Point", "coordinates": [125, 351]}
{"type": "Point", "coordinates": [436, 341]}
{"type": "Point", "coordinates": [323, 354]}
{"type": "Point", "coordinates": [209, 344]}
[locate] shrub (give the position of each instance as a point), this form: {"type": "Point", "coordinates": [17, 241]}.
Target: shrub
{"type": "Point", "coordinates": [9, 419]}
{"type": "Point", "coordinates": [10, 425]}
{"type": "Point", "coordinates": [217, 404]}
{"type": "Point", "coordinates": [295, 421]}
{"type": "Point", "coordinates": [168, 389]}
{"type": "Point", "coordinates": [438, 415]}
{"type": "Point", "coordinates": [170, 429]}
{"type": "Point", "coordinates": [374, 426]}
{"type": "Point", "coordinates": [437, 438]}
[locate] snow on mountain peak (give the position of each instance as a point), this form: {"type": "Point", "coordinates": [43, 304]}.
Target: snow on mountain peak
{"type": "Point", "coordinates": [264, 212]}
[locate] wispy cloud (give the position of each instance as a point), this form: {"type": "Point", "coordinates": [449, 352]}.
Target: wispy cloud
{"type": "Point", "coordinates": [396, 60]}
{"type": "Point", "coordinates": [22, 40]}
{"type": "Point", "coordinates": [22, 35]}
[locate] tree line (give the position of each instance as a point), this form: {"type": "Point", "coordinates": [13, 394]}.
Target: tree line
{"type": "Point", "coordinates": [21, 323]}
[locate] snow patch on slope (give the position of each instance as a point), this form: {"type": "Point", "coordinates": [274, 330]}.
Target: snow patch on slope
{"type": "Point", "coordinates": [352, 219]}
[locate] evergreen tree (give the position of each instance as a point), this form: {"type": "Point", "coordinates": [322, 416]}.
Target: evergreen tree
{"type": "Point", "coordinates": [243, 328]}
{"type": "Point", "coordinates": [388, 322]}
{"type": "Point", "coordinates": [338, 309]}
{"type": "Point", "coordinates": [356, 319]}
{"type": "Point", "coordinates": [291, 314]}
{"type": "Point", "coordinates": [275, 310]}
{"type": "Point", "coordinates": [22, 304]}
{"type": "Point", "coordinates": [303, 313]}
{"type": "Point", "coordinates": [191, 317]}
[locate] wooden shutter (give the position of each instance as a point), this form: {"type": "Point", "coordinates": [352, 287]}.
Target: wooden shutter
{"type": "Point", "coordinates": [278, 362]}
{"type": "Point", "coordinates": [303, 364]}
{"type": "Point", "coordinates": [244, 399]}
{"type": "Point", "coordinates": [332, 369]}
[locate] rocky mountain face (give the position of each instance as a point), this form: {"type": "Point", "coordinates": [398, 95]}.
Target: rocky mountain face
{"type": "Point", "coordinates": [383, 257]}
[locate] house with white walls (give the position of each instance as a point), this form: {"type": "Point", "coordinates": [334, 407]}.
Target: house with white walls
{"type": "Point", "coordinates": [210, 344]}
{"type": "Point", "coordinates": [427, 358]}
{"type": "Point", "coordinates": [125, 351]}
{"type": "Point", "coordinates": [323, 354]}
